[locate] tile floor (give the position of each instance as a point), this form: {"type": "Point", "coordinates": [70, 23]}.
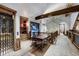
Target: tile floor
{"type": "Point", "coordinates": [63, 47]}
{"type": "Point", "coordinates": [25, 46]}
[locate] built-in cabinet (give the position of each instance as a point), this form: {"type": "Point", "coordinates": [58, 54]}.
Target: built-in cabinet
{"type": "Point", "coordinates": [74, 37]}
{"type": "Point", "coordinates": [74, 33]}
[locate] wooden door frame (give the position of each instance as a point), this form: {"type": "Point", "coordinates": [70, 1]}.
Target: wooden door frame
{"type": "Point", "coordinates": [9, 11]}
{"type": "Point", "coordinates": [24, 18]}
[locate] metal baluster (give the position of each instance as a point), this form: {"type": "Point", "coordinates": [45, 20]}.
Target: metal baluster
{"type": "Point", "coordinates": [3, 43]}
{"type": "Point", "coordinates": [0, 35]}
{"type": "Point", "coordinates": [10, 41]}
{"type": "Point", "coordinates": [4, 32]}
{"type": "Point", "coordinates": [0, 44]}
{"type": "Point", "coordinates": [10, 35]}
{"type": "Point", "coordinates": [6, 42]}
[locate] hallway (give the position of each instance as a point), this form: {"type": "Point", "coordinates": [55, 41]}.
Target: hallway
{"type": "Point", "coordinates": [63, 47]}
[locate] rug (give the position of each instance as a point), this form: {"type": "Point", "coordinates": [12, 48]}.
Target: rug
{"type": "Point", "coordinates": [37, 52]}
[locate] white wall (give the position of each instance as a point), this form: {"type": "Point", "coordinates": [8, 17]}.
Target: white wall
{"type": "Point", "coordinates": [53, 25]}
{"type": "Point", "coordinates": [43, 27]}
{"type": "Point", "coordinates": [20, 12]}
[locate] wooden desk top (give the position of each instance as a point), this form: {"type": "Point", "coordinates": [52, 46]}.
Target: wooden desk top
{"type": "Point", "coordinates": [41, 36]}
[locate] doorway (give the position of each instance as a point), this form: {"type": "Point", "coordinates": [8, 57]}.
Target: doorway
{"type": "Point", "coordinates": [61, 29]}
{"type": "Point", "coordinates": [23, 27]}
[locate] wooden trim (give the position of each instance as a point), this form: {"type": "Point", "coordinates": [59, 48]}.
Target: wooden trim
{"type": "Point", "coordinates": [4, 9]}
{"type": "Point", "coordinates": [76, 45]}
{"type": "Point", "coordinates": [75, 24]}
{"type": "Point", "coordinates": [59, 12]}
{"type": "Point", "coordinates": [17, 45]}
{"type": "Point", "coordinates": [22, 17]}
{"type": "Point", "coordinates": [9, 11]}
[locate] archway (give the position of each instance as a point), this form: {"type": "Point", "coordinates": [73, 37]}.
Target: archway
{"type": "Point", "coordinates": [63, 27]}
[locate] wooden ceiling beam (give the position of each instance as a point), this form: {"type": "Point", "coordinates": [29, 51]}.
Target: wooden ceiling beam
{"type": "Point", "coordinates": [4, 9]}
{"type": "Point", "coordinates": [59, 12]}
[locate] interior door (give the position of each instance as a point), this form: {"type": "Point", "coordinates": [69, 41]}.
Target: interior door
{"type": "Point", "coordinates": [6, 33]}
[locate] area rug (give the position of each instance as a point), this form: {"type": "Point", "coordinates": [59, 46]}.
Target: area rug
{"type": "Point", "coordinates": [37, 52]}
